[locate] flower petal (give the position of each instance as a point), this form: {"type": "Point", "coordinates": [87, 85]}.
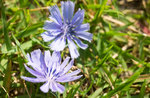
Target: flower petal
{"type": "Point", "coordinates": [58, 44]}
{"type": "Point", "coordinates": [60, 88]}
{"type": "Point", "coordinates": [45, 87]}
{"type": "Point", "coordinates": [84, 35]}
{"type": "Point", "coordinates": [78, 18]}
{"type": "Point", "coordinates": [34, 80]}
{"type": "Point", "coordinates": [68, 75]}
{"type": "Point", "coordinates": [72, 48]}
{"type": "Point", "coordinates": [38, 61]}
{"type": "Point", "coordinates": [68, 79]}
{"type": "Point", "coordinates": [29, 58]}
{"type": "Point", "coordinates": [52, 69]}
{"type": "Point", "coordinates": [67, 9]}
{"type": "Point", "coordinates": [56, 57]}
{"type": "Point", "coordinates": [60, 68]}
{"type": "Point", "coordinates": [35, 73]}
{"type": "Point", "coordinates": [55, 14]}
{"type": "Point", "coordinates": [83, 27]}
{"type": "Point", "coordinates": [51, 26]}
{"type": "Point", "coordinates": [47, 37]}
{"type": "Point", "coordinates": [73, 73]}
{"type": "Point", "coordinates": [35, 60]}
{"type": "Point", "coordinates": [47, 58]}
{"type": "Point", "coordinates": [64, 63]}
{"type": "Point", "coordinates": [52, 87]}
{"type": "Point", "coordinates": [79, 43]}
{"type": "Point", "coordinates": [68, 67]}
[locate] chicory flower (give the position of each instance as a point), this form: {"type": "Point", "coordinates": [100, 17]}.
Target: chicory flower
{"type": "Point", "coordinates": [66, 29]}
{"type": "Point", "coordinates": [50, 70]}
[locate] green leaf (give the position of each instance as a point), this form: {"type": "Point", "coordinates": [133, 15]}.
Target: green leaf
{"type": "Point", "coordinates": [142, 91]}
{"type": "Point", "coordinates": [96, 93]}
{"type": "Point", "coordinates": [7, 78]}
{"type": "Point", "coordinates": [73, 91]}
{"type": "Point", "coordinates": [18, 44]}
{"type": "Point", "coordinates": [30, 30]}
{"type": "Point", "coordinates": [113, 11]}
{"type": "Point", "coordinates": [101, 9]}
{"type": "Point", "coordinates": [3, 63]}
{"type": "Point", "coordinates": [141, 45]}
{"type": "Point", "coordinates": [103, 60]}
{"type": "Point", "coordinates": [14, 49]}
{"type": "Point", "coordinates": [39, 42]}
{"type": "Point", "coordinates": [124, 53]}
{"type": "Point", "coordinates": [27, 45]}
{"type": "Point", "coordinates": [125, 85]}
{"type": "Point", "coordinates": [5, 51]}
{"type": "Point", "coordinates": [98, 14]}
{"type": "Point", "coordinates": [5, 31]}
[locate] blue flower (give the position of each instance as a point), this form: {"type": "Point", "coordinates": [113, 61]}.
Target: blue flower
{"type": "Point", "coordinates": [66, 30]}
{"type": "Point", "coordinates": [49, 69]}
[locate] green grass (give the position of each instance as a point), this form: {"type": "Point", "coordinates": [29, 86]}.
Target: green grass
{"type": "Point", "coordinates": [116, 63]}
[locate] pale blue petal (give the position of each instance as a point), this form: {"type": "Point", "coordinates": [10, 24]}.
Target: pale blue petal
{"type": "Point", "coordinates": [35, 60]}
{"type": "Point", "coordinates": [67, 9]}
{"type": "Point", "coordinates": [45, 87]}
{"type": "Point", "coordinates": [79, 43]}
{"type": "Point", "coordinates": [52, 69]}
{"type": "Point", "coordinates": [56, 57]}
{"type": "Point", "coordinates": [56, 33]}
{"type": "Point", "coordinates": [38, 59]}
{"type": "Point", "coordinates": [68, 67]}
{"type": "Point", "coordinates": [78, 18]}
{"type": "Point", "coordinates": [72, 48]}
{"type": "Point", "coordinates": [58, 44]}
{"type": "Point", "coordinates": [34, 80]}
{"type": "Point", "coordinates": [84, 35]}
{"type": "Point", "coordinates": [60, 88]}
{"type": "Point", "coordinates": [60, 70]}
{"type": "Point", "coordinates": [36, 68]}
{"type": "Point", "coordinates": [70, 10]}
{"type": "Point", "coordinates": [52, 87]}
{"type": "Point", "coordinates": [47, 58]}
{"type": "Point", "coordinates": [72, 73]}
{"type": "Point", "coordinates": [83, 27]}
{"type": "Point", "coordinates": [51, 26]}
{"type": "Point", "coordinates": [29, 58]}
{"type": "Point", "coordinates": [68, 75]}
{"type": "Point", "coordinates": [64, 8]}
{"type": "Point", "coordinates": [47, 37]}
{"type": "Point", "coordinates": [65, 62]}
{"type": "Point", "coordinates": [68, 79]}
{"type": "Point", "coordinates": [55, 14]}
{"type": "Point", "coordinates": [35, 73]}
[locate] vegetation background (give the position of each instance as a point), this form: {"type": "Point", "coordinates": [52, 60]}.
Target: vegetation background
{"type": "Point", "coordinates": [115, 65]}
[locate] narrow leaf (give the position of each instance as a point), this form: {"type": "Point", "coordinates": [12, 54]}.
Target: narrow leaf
{"type": "Point", "coordinates": [128, 83]}
{"type": "Point", "coordinates": [142, 91]}
{"type": "Point", "coordinates": [18, 44]}
{"type": "Point", "coordinates": [5, 31]}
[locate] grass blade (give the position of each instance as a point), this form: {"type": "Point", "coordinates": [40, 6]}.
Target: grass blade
{"type": "Point", "coordinates": [7, 78]}
{"type": "Point", "coordinates": [128, 83]}
{"type": "Point", "coordinates": [5, 31]}
{"type": "Point", "coordinates": [142, 91]}
{"type": "Point", "coordinates": [30, 30]}
{"type": "Point", "coordinates": [18, 44]}
{"type": "Point", "coordinates": [103, 60]}
{"type": "Point", "coordinates": [96, 93]}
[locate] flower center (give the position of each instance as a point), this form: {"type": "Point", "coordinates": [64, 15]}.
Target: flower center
{"type": "Point", "coordinates": [67, 29]}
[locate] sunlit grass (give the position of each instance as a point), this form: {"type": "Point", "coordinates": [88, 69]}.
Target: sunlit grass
{"type": "Point", "coordinates": [116, 62]}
